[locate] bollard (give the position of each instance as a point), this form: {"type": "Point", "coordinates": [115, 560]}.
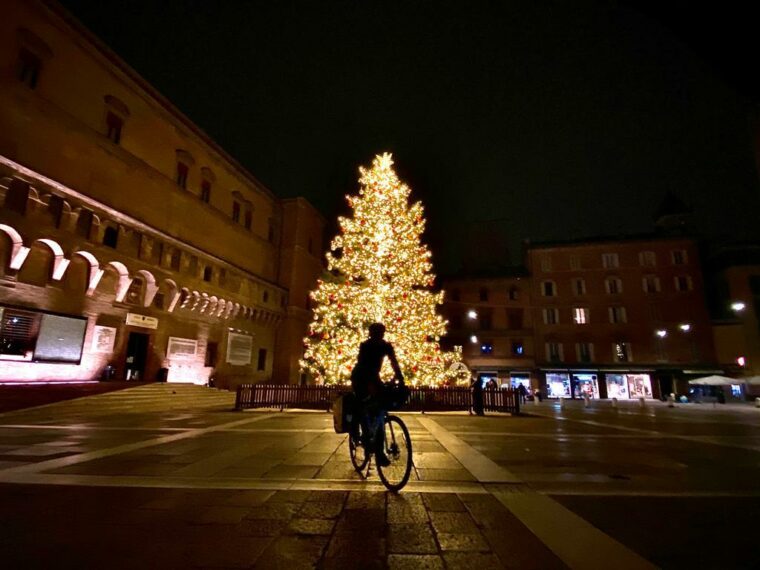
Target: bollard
{"type": "Point", "coordinates": [614, 402]}
{"type": "Point", "coordinates": [586, 400]}
{"type": "Point", "coordinates": [671, 401]}
{"type": "Point", "coordinates": [561, 402]}
{"type": "Point", "coordinates": [757, 402]}
{"type": "Point", "coordinates": [642, 402]}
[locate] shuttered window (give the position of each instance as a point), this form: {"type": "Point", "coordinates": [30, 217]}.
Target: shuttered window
{"type": "Point", "coordinates": [18, 332]}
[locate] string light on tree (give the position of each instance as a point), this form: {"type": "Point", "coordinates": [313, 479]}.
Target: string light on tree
{"type": "Point", "coordinates": [379, 271]}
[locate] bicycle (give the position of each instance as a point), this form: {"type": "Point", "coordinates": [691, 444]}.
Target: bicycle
{"type": "Point", "coordinates": [397, 446]}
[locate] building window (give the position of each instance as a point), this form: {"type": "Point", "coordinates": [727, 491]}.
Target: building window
{"type": "Point", "coordinates": [548, 289]}
{"type": "Point", "coordinates": [518, 348]}
{"type": "Point", "coordinates": [554, 352]}
{"type": "Point", "coordinates": [486, 348]}
{"type": "Point", "coordinates": [265, 296]}
{"type": "Point", "coordinates": [579, 287]}
{"type": "Point", "coordinates": [485, 322]}
{"type": "Point", "coordinates": [621, 351]}
{"type": "Point", "coordinates": [580, 315]}
{"type": "Point", "coordinates": [110, 236]}
{"type": "Point", "coordinates": [513, 294]}
{"type": "Point", "coordinates": [546, 263]}
{"type": "Point", "coordinates": [455, 295]}
{"type": "Point", "coordinates": [18, 332]}
{"type": "Point", "coordinates": [262, 364]}
{"type": "Point", "coordinates": [175, 259]}
{"type": "Point", "coordinates": [114, 124]}
{"type": "Point", "coordinates": [584, 351]}
{"type": "Point", "coordinates": [182, 172]}
{"type": "Point", "coordinates": [683, 283]}
{"type": "Point", "coordinates": [651, 284]}
{"type": "Point", "coordinates": [208, 272]}
{"type": "Point", "coordinates": [212, 349]}
{"type": "Point", "coordinates": [551, 316]}
{"type": "Point", "coordinates": [679, 257]}
{"type": "Point", "coordinates": [515, 319]}
{"type": "Point", "coordinates": [236, 211]}
{"type": "Point", "coordinates": [206, 191]}
{"type": "Point", "coordinates": [248, 219]}
{"type": "Point", "coordinates": [617, 315]}
{"type": "Point", "coordinates": [29, 67]}
{"type": "Point", "coordinates": [575, 262]}
{"type": "Point", "coordinates": [610, 260]}
{"type": "Point", "coordinates": [483, 295]}
{"type": "Point", "coordinates": [613, 285]}
{"type": "Point", "coordinates": [647, 259]}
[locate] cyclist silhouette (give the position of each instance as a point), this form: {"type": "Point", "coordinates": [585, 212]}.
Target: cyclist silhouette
{"type": "Point", "coordinates": [368, 387]}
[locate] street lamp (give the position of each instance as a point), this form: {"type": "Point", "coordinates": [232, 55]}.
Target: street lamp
{"type": "Point", "coordinates": [472, 314]}
{"type": "Point", "coordinates": [662, 333]}
{"type": "Point", "coordinates": [738, 306]}
{"type": "Point", "coordinates": [685, 327]}
{"type": "Point", "coordinates": [474, 339]}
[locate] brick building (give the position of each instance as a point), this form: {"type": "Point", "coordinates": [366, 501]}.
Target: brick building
{"type": "Point", "coordinates": [611, 318]}
{"type": "Point", "coordinates": [129, 238]}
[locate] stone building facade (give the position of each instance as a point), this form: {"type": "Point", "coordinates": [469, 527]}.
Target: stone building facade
{"type": "Point", "coordinates": [128, 238]}
{"type": "Point", "coordinates": [612, 318]}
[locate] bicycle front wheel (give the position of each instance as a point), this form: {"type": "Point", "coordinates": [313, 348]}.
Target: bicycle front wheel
{"type": "Point", "coordinates": [398, 448]}
{"type": "Point", "coordinates": [358, 452]}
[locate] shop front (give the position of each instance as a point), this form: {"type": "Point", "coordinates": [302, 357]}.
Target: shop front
{"type": "Point", "coordinates": [628, 386]}
{"type": "Point", "coordinates": [585, 383]}
{"type": "Point", "coordinates": [558, 385]}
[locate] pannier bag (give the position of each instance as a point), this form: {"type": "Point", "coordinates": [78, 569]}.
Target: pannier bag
{"type": "Point", "coordinates": [395, 395]}
{"type": "Point", "coordinates": [343, 410]}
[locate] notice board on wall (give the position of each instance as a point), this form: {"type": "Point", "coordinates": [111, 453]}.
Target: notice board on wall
{"type": "Point", "coordinates": [239, 349]}
{"type": "Point", "coordinates": [60, 339]}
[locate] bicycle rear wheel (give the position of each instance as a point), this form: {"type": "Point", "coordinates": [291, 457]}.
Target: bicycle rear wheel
{"type": "Point", "coordinates": [398, 448]}
{"type": "Point", "coordinates": [357, 451]}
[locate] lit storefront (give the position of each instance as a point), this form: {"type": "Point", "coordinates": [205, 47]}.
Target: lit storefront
{"type": "Point", "coordinates": [517, 379]}
{"type": "Point", "coordinates": [558, 385]}
{"type": "Point", "coordinates": [585, 383]}
{"type": "Point", "coordinates": [628, 386]}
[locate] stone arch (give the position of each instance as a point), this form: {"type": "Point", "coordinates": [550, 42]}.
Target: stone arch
{"type": "Point", "coordinates": [60, 263]}
{"type": "Point", "coordinates": [150, 289]}
{"type": "Point", "coordinates": [220, 307]}
{"type": "Point", "coordinates": [235, 310]}
{"type": "Point", "coordinates": [124, 280]}
{"type": "Point", "coordinates": [213, 303]}
{"type": "Point", "coordinates": [172, 293]}
{"type": "Point", "coordinates": [185, 298]}
{"type": "Point", "coordinates": [94, 273]}
{"type": "Point", "coordinates": [196, 299]}
{"type": "Point", "coordinates": [205, 300]}
{"type": "Point", "coordinates": [19, 251]}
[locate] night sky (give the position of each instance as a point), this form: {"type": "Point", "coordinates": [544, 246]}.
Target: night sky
{"type": "Point", "coordinates": [559, 119]}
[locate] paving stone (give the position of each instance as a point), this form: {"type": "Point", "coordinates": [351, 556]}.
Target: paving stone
{"type": "Point", "coordinates": [444, 502]}
{"type": "Point", "coordinates": [361, 521]}
{"type": "Point", "coordinates": [365, 500]}
{"type": "Point", "coordinates": [358, 545]}
{"type": "Point", "coordinates": [311, 526]}
{"type": "Point", "coordinates": [222, 515]}
{"type": "Point", "coordinates": [229, 552]}
{"type": "Point", "coordinates": [320, 510]}
{"type": "Point", "coordinates": [292, 553]}
{"type": "Point", "coordinates": [463, 542]}
{"type": "Point", "coordinates": [460, 474]}
{"type": "Point", "coordinates": [470, 560]}
{"type": "Point", "coordinates": [291, 472]}
{"type": "Point", "coordinates": [328, 497]}
{"type": "Point", "coordinates": [411, 539]}
{"type": "Point", "coordinates": [416, 562]}
{"type": "Point", "coordinates": [289, 496]}
{"type": "Point", "coordinates": [249, 498]}
{"type": "Point", "coordinates": [261, 527]}
{"type": "Point", "coordinates": [274, 511]}
{"type": "Point", "coordinates": [446, 522]}
{"type": "Point", "coordinates": [352, 564]}
{"type": "Point", "coordinates": [403, 513]}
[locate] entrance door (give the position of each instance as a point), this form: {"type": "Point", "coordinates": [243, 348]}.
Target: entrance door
{"type": "Point", "coordinates": [137, 353]}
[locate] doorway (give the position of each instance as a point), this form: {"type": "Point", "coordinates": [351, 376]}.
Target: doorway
{"type": "Point", "coordinates": [137, 354]}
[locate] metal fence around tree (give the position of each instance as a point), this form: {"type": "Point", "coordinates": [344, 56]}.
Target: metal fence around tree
{"type": "Point", "coordinates": [420, 399]}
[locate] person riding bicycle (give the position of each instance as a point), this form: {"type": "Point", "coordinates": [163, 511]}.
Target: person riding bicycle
{"type": "Point", "coordinates": [368, 387]}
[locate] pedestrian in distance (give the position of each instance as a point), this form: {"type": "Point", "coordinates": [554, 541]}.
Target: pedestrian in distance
{"type": "Point", "coordinates": [477, 397]}
{"type": "Point", "coordinates": [522, 392]}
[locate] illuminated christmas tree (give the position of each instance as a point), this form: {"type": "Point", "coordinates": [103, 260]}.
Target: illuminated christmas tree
{"type": "Point", "coordinates": [379, 271]}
